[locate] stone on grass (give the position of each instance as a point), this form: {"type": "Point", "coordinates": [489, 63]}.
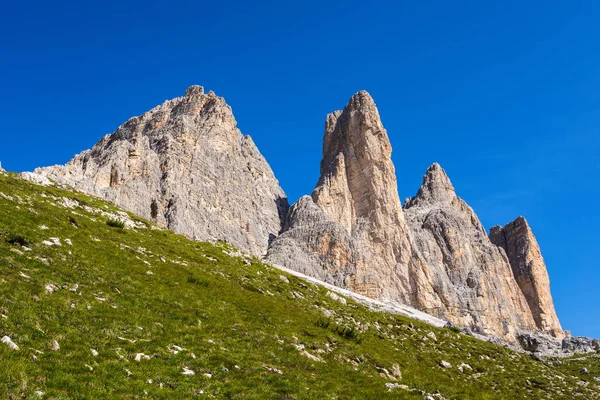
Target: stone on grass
{"type": "Point", "coordinates": [6, 340]}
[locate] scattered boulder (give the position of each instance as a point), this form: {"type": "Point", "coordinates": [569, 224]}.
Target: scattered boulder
{"type": "Point", "coordinates": [580, 344]}
{"type": "Point", "coordinates": [187, 371]}
{"type": "Point", "coordinates": [445, 364]}
{"type": "Point", "coordinates": [464, 367]}
{"type": "Point", "coordinates": [392, 386]}
{"type": "Point", "coordinates": [50, 288]}
{"type": "Point", "coordinates": [539, 343]}
{"type": "Point", "coordinates": [8, 341]}
{"type": "Point", "coordinates": [335, 297]}
{"type": "Point", "coordinates": [141, 356]}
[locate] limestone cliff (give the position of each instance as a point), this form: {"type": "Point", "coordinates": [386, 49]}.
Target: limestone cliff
{"type": "Point", "coordinates": [185, 165]}
{"type": "Point", "coordinates": [471, 276]}
{"type": "Point", "coordinates": [434, 255]}
{"type": "Point", "coordinates": [530, 272]}
{"type": "Point", "coordinates": [356, 236]}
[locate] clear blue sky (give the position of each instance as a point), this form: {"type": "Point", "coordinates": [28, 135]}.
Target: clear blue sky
{"type": "Point", "coordinates": [505, 95]}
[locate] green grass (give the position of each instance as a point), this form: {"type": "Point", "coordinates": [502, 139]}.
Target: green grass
{"type": "Point", "coordinates": [115, 223]}
{"type": "Point", "coordinates": [123, 291]}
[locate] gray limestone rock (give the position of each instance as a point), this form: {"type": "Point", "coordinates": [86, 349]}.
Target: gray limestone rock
{"type": "Point", "coordinates": [580, 344]}
{"type": "Point", "coordinates": [535, 342]}
{"type": "Point", "coordinates": [351, 231]}
{"type": "Point", "coordinates": [185, 165]}
{"type": "Point", "coordinates": [471, 280]}
{"type": "Point", "coordinates": [530, 272]}
{"type": "Point", "coordinates": [434, 255]}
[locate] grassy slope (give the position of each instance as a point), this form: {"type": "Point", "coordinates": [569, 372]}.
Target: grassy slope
{"type": "Point", "coordinates": [236, 318]}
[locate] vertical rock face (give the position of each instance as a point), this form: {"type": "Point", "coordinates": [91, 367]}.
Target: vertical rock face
{"type": "Point", "coordinates": [471, 277]}
{"type": "Point", "coordinates": [434, 254]}
{"type": "Point", "coordinates": [357, 236]}
{"type": "Point", "coordinates": [185, 165]}
{"type": "Point", "coordinates": [529, 269]}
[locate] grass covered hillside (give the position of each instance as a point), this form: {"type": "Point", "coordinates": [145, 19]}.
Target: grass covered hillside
{"type": "Point", "coordinates": [98, 304]}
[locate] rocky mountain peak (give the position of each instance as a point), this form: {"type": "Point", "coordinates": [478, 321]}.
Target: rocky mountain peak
{"type": "Point", "coordinates": [357, 173]}
{"type": "Point", "coordinates": [356, 201]}
{"type": "Point", "coordinates": [436, 188]}
{"type": "Point", "coordinates": [356, 131]}
{"type": "Point", "coordinates": [528, 266]}
{"type": "Point", "coordinates": [194, 90]}
{"type": "Point", "coordinates": [186, 165]}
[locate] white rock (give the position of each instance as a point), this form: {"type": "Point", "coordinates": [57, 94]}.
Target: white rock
{"type": "Point", "coordinates": [50, 288]}
{"type": "Point", "coordinates": [43, 227]}
{"type": "Point", "coordinates": [187, 371]}
{"type": "Point", "coordinates": [141, 356]}
{"type": "Point", "coordinates": [68, 241]}
{"type": "Point", "coordinates": [54, 345]}
{"type": "Point", "coordinates": [390, 386]}
{"type": "Point", "coordinates": [52, 242]}
{"type": "Point", "coordinates": [94, 352]}
{"type": "Point", "coordinates": [284, 278]}
{"type": "Point", "coordinates": [6, 340]}
{"type": "Point", "coordinates": [445, 364]}
{"type": "Point", "coordinates": [336, 297]}
{"type": "Point", "coordinates": [36, 178]}
{"type": "Point", "coordinates": [175, 349]}
{"type": "Point", "coordinates": [463, 367]}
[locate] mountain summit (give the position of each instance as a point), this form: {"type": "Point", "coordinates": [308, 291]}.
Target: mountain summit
{"type": "Point", "coordinates": [434, 254]}
{"type": "Point", "coordinates": [185, 165]}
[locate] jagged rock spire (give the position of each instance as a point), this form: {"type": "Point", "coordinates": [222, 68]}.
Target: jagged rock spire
{"type": "Point", "coordinates": [358, 192]}
{"type": "Point", "coordinates": [530, 272]}
{"type": "Point", "coordinates": [470, 281]}
{"type": "Point", "coordinates": [436, 188]}
{"type": "Point", "coordinates": [357, 174]}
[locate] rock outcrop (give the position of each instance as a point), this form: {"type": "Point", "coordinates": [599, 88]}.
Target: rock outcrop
{"type": "Point", "coordinates": [351, 231]}
{"type": "Point", "coordinates": [185, 165]}
{"type": "Point", "coordinates": [434, 254]}
{"type": "Point", "coordinates": [471, 277]}
{"type": "Point", "coordinates": [529, 269]}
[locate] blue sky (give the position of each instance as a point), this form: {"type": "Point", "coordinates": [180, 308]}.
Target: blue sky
{"type": "Point", "coordinates": [505, 95]}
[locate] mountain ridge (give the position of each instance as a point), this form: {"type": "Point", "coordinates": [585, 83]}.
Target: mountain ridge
{"type": "Point", "coordinates": [352, 230]}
